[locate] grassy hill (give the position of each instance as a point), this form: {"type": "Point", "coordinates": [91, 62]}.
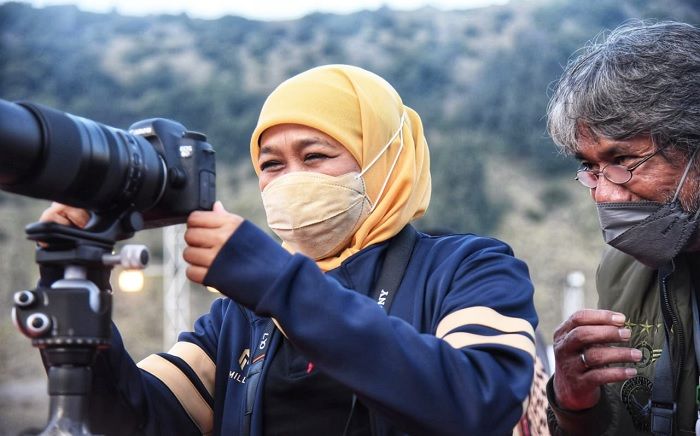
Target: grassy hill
{"type": "Point", "coordinates": [479, 78]}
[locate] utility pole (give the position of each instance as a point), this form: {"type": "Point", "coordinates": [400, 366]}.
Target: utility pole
{"type": "Point", "coordinates": [573, 300]}
{"type": "Point", "coordinates": [176, 286]}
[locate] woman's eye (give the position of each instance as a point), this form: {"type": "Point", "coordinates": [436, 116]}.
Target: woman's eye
{"type": "Point", "coordinates": [314, 156]}
{"type": "Point", "coordinates": [268, 164]}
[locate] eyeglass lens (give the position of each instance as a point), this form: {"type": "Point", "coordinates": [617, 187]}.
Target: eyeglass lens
{"type": "Point", "coordinates": [587, 179]}
{"type": "Point", "coordinates": [617, 174]}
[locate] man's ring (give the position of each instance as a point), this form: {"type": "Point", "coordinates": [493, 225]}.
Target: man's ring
{"type": "Point", "coordinates": [583, 359]}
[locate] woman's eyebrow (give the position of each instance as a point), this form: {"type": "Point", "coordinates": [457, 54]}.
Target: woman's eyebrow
{"type": "Point", "coordinates": [299, 144]}
{"type": "Point", "coordinates": [265, 149]}
{"type": "Point", "coordinates": [315, 140]}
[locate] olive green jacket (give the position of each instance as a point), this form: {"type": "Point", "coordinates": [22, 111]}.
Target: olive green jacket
{"type": "Point", "coordinates": [625, 285]}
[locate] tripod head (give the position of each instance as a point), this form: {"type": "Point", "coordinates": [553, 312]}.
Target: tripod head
{"type": "Point", "coordinates": [69, 320]}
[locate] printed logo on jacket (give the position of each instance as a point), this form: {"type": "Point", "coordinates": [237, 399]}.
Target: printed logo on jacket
{"type": "Point", "coordinates": [636, 392]}
{"type": "Point", "coordinates": [243, 361]}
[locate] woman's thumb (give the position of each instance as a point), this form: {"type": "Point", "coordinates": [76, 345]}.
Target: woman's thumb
{"type": "Point", "coordinates": [219, 207]}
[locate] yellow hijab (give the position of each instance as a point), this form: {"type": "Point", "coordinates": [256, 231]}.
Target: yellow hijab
{"type": "Point", "coordinates": [362, 111]}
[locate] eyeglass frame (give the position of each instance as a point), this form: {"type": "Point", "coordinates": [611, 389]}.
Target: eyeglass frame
{"type": "Point", "coordinates": [629, 170]}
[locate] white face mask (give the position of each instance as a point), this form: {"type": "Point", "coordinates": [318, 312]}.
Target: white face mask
{"type": "Point", "coordinates": [317, 214]}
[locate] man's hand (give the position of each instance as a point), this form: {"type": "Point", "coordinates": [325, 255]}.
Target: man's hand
{"type": "Point", "coordinates": [583, 356]}
{"type": "Point", "coordinates": [206, 233]}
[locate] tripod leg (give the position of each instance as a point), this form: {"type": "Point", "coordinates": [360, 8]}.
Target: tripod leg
{"type": "Point", "coordinates": [69, 387]}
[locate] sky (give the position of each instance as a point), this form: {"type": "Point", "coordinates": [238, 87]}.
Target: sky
{"type": "Point", "coordinates": [258, 9]}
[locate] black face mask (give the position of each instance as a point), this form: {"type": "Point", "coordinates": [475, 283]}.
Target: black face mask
{"type": "Point", "coordinates": [653, 233]}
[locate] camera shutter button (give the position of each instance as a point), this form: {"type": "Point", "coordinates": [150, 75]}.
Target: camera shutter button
{"type": "Point", "coordinates": [197, 136]}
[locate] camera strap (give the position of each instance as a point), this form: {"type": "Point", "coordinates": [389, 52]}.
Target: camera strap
{"type": "Point", "coordinates": [398, 253]}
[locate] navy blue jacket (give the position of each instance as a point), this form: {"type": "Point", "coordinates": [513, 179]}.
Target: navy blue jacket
{"type": "Point", "coordinates": [454, 357]}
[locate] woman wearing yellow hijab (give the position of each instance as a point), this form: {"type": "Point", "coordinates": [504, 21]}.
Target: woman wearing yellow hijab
{"type": "Point", "coordinates": [357, 324]}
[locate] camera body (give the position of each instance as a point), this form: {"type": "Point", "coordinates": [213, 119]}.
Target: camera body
{"type": "Point", "coordinates": [190, 170]}
{"type": "Point", "coordinates": [157, 168]}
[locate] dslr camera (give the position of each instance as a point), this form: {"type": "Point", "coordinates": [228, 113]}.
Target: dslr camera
{"type": "Point", "coordinates": [157, 168]}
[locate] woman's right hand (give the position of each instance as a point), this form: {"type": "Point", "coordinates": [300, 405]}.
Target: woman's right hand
{"type": "Point", "coordinates": [207, 232]}
{"type": "Point", "coordinates": [65, 215]}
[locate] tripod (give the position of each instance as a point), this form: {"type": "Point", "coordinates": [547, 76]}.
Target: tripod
{"type": "Point", "coordinates": [70, 319]}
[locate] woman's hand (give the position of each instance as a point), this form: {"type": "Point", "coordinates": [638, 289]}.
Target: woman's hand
{"type": "Point", "coordinates": [207, 232]}
{"type": "Point", "coordinates": [65, 215]}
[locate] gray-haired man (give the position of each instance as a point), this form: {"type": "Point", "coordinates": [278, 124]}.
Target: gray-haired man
{"type": "Point", "coordinates": [629, 110]}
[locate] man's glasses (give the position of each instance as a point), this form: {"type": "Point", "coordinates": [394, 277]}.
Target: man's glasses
{"type": "Point", "coordinates": [618, 174]}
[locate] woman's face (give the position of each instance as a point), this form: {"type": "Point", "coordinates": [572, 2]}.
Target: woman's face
{"type": "Point", "coordinates": [287, 148]}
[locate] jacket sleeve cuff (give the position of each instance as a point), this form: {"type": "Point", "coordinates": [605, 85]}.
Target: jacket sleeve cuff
{"type": "Point", "coordinates": [594, 421]}
{"type": "Point", "coordinates": [244, 269]}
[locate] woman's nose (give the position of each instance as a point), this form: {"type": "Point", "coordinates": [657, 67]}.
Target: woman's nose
{"type": "Point", "coordinates": [294, 165]}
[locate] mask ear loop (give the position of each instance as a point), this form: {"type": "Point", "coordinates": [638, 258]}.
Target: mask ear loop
{"type": "Point", "coordinates": [685, 174]}
{"type": "Point", "coordinates": [682, 181]}
{"type": "Point", "coordinates": [399, 133]}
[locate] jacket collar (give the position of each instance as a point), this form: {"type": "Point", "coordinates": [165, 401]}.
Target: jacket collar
{"type": "Point", "coordinates": [359, 271]}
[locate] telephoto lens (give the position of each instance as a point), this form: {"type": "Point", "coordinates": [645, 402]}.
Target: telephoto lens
{"type": "Point", "coordinates": [158, 167]}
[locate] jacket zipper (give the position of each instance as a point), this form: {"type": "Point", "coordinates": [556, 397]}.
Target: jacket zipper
{"type": "Point", "coordinates": [668, 310]}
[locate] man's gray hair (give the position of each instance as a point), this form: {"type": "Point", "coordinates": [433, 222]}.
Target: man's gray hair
{"type": "Point", "coordinates": [643, 79]}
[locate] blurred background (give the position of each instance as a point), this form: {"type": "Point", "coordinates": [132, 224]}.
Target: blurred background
{"type": "Point", "coordinates": [479, 75]}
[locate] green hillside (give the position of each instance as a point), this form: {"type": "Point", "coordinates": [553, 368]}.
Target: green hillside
{"type": "Point", "coordinates": [479, 78]}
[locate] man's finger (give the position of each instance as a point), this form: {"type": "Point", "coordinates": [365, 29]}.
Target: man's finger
{"type": "Point", "coordinates": [585, 336]}
{"type": "Point", "coordinates": [602, 356]}
{"type": "Point", "coordinates": [603, 376]}
{"type": "Point", "coordinates": [590, 317]}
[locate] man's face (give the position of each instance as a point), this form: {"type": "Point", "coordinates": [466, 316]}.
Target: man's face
{"type": "Point", "coordinates": [654, 180]}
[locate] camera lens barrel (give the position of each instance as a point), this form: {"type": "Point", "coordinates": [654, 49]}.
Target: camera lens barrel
{"type": "Point", "coordinates": [158, 167]}
{"type": "Point", "coordinates": [61, 157]}
{"type": "Point", "coordinates": [20, 136]}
